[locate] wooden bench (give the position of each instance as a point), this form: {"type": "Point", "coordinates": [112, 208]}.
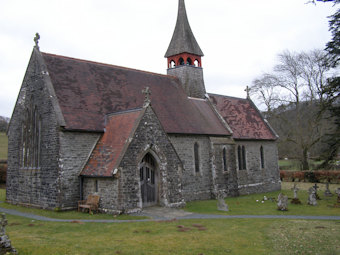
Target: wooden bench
{"type": "Point", "coordinates": [91, 203]}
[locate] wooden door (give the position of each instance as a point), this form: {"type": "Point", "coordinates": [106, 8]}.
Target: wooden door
{"type": "Point", "coordinates": [147, 173]}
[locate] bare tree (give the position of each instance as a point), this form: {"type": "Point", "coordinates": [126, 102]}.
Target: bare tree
{"type": "Point", "coordinates": [296, 84]}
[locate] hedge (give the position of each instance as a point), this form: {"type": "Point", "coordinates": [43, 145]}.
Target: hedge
{"type": "Point", "coordinates": [3, 171]}
{"type": "Point", "coordinates": [311, 176]}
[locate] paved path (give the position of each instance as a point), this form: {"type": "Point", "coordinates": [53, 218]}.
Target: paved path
{"type": "Point", "coordinates": [159, 213]}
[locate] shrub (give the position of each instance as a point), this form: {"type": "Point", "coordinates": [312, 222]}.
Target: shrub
{"type": "Point", "coordinates": [3, 171]}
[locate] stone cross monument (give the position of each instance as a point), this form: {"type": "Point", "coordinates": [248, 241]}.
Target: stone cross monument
{"type": "Point", "coordinates": [5, 243]}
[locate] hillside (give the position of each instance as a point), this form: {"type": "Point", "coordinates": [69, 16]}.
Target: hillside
{"type": "Point", "coordinates": [3, 145]}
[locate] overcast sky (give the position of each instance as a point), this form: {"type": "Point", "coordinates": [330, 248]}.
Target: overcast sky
{"type": "Point", "coordinates": [239, 38]}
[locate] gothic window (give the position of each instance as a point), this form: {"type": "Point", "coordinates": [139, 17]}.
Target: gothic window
{"type": "Point", "coordinates": [181, 62]}
{"type": "Point", "coordinates": [241, 155]}
{"type": "Point", "coordinates": [31, 139]}
{"type": "Point", "coordinates": [189, 61]}
{"type": "Point", "coordinates": [197, 160]}
{"type": "Point", "coordinates": [262, 157]}
{"type": "Point", "coordinates": [244, 158]}
{"type": "Point", "coordinates": [225, 167]}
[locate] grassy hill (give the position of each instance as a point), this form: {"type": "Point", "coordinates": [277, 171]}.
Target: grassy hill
{"type": "Point", "coordinates": [3, 145]}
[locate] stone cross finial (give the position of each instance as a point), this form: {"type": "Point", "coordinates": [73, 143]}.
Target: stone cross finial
{"type": "Point", "coordinates": [147, 94]}
{"type": "Point", "coordinates": [3, 224]}
{"type": "Point", "coordinates": [248, 92]}
{"type": "Point", "coordinates": [36, 40]}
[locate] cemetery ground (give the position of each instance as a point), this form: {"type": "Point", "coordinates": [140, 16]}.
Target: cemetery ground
{"type": "Point", "coordinates": [203, 236]}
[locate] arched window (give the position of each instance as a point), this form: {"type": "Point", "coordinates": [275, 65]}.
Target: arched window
{"type": "Point", "coordinates": [239, 157]}
{"type": "Point", "coordinates": [197, 160]}
{"type": "Point", "coordinates": [244, 158]}
{"type": "Point", "coordinates": [172, 64]}
{"type": "Point", "coordinates": [225, 167]}
{"type": "Point", "coordinates": [181, 62]}
{"type": "Point", "coordinates": [197, 63]}
{"type": "Point", "coordinates": [189, 62]}
{"type": "Point", "coordinates": [241, 154]}
{"type": "Point", "coordinates": [31, 139]}
{"type": "Point", "coordinates": [262, 157]}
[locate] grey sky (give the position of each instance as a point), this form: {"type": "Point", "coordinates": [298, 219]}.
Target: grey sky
{"type": "Point", "coordinates": [240, 39]}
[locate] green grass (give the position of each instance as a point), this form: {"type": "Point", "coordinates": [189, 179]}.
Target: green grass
{"type": "Point", "coordinates": [208, 237]}
{"type": "Point", "coordinates": [252, 204]}
{"type": "Point", "coordinates": [295, 165]}
{"type": "Point", "coordinates": [72, 215]}
{"type": "Point", "coordinates": [3, 145]}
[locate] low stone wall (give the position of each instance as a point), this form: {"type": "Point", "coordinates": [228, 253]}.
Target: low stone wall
{"type": "Point", "coordinates": [3, 171]}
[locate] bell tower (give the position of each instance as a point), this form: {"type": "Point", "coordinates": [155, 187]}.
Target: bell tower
{"type": "Point", "coordinates": [185, 56]}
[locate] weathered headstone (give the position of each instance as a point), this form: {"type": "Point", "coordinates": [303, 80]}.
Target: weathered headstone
{"type": "Point", "coordinates": [316, 191]}
{"type": "Point", "coordinates": [221, 205]}
{"type": "Point", "coordinates": [312, 196]}
{"type": "Point", "coordinates": [328, 193]}
{"type": "Point", "coordinates": [5, 243]}
{"type": "Point", "coordinates": [338, 193]}
{"type": "Point", "coordinates": [282, 202]}
{"type": "Point", "coordinates": [295, 200]}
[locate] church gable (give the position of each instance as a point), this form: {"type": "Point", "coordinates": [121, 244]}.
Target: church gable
{"type": "Point", "coordinates": [133, 152]}
{"type": "Point", "coordinates": [33, 140]}
{"type": "Point", "coordinates": [111, 147]}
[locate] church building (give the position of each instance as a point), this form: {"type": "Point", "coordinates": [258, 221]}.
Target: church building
{"type": "Point", "coordinates": [133, 137]}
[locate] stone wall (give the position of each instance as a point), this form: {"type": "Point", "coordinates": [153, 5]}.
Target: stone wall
{"type": "Point", "coordinates": [256, 179]}
{"type": "Point", "coordinates": [191, 78]}
{"type": "Point", "coordinates": [36, 186]}
{"type": "Point", "coordinates": [225, 175]}
{"type": "Point", "coordinates": [75, 149]}
{"type": "Point", "coordinates": [196, 186]}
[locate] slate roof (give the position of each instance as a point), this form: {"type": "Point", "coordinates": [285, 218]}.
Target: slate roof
{"type": "Point", "coordinates": [88, 91]}
{"type": "Point", "coordinates": [113, 143]}
{"type": "Point", "coordinates": [183, 39]}
{"type": "Point", "coordinates": [243, 118]}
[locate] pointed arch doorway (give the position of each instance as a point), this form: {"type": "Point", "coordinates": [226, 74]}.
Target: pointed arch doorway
{"type": "Point", "coordinates": [148, 175]}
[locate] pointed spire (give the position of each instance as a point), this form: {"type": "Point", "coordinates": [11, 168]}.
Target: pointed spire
{"type": "Point", "coordinates": [183, 40]}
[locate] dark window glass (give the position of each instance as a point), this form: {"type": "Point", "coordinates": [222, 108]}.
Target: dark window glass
{"type": "Point", "coordinates": [197, 162]}
{"type": "Point", "coordinates": [262, 157]}
{"type": "Point", "coordinates": [225, 168]}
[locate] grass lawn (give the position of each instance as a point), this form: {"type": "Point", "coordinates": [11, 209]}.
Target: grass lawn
{"type": "Point", "coordinates": [192, 237]}
{"type": "Point", "coordinates": [3, 145]}
{"type": "Point", "coordinates": [231, 236]}
{"type": "Point", "coordinates": [295, 165]}
{"type": "Point", "coordinates": [252, 204]}
{"type": "Point", "coordinates": [73, 215]}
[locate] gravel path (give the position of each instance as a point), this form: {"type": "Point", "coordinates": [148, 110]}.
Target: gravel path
{"type": "Point", "coordinates": [158, 213]}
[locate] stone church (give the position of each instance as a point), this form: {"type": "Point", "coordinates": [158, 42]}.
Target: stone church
{"type": "Point", "coordinates": [133, 137]}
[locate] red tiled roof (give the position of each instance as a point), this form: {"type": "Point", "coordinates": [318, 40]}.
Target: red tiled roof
{"type": "Point", "coordinates": [87, 91]}
{"type": "Point", "coordinates": [243, 118]}
{"type": "Point", "coordinates": [111, 146]}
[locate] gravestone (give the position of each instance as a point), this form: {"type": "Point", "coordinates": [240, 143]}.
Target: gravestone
{"type": "Point", "coordinates": [5, 243]}
{"type": "Point", "coordinates": [312, 196]}
{"type": "Point", "coordinates": [328, 193]}
{"type": "Point", "coordinates": [338, 193]}
{"type": "Point", "coordinates": [221, 205]}
{"type": "Point", "coordinates": [282, 202]}
{"type": "Point", "coordinates": [295, 200]}
{"type": "Point", "coordinates": [316, 191]}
